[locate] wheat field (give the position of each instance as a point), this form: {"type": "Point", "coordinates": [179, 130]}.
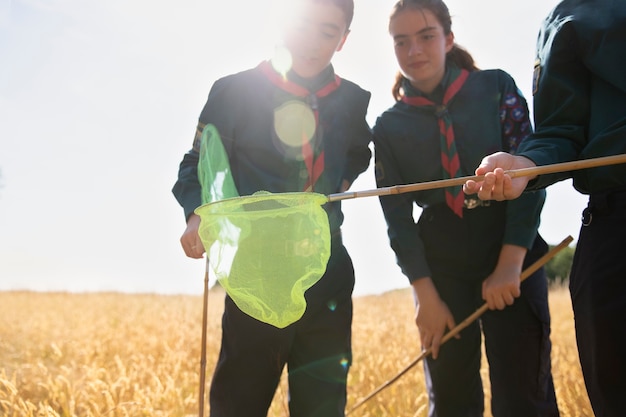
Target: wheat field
{"type": "Point", "coordinates": [109, 354]}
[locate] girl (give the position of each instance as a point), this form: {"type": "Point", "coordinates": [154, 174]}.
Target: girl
{"type": "Point", "coordinates": [463, 252]}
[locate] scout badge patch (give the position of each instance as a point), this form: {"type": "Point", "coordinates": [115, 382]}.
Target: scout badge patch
{"type": "Point", "coordinates": [536, 75]}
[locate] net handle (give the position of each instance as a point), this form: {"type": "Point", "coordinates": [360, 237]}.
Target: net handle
{"type": "Point", "coordinates": [513, 173]}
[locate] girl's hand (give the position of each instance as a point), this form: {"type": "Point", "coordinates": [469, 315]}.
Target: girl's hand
{"type": "Point", "coordinates": [432, 315]}
{"type": "Point", "coordinates": [502, 287]}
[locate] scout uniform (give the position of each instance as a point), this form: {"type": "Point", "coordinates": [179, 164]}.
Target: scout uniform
{"type": "Point", "coordinates": [580, 112]}
{"type": "Point", "coordinates": [458, 250]}
{"type": "Point", "coordinates": [250, 109]}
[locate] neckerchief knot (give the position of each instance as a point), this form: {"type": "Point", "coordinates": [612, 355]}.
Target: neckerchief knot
{"type": "Point", "coordinates": [450, 162]}
{"type": "Point", "coordinates": [314, 163]}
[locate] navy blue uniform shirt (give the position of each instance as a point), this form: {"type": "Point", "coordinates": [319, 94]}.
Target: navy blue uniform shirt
{"type": "Point", "coordinates": [242, 108]}
{"type": "Point", "coordinates": [580, 93]}
{"type": "Point", "coordinates": [489, 114]}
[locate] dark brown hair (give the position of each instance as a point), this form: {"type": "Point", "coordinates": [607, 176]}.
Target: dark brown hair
{"type": "Point", "coordinates": [346, 6]}
{"type": "Point", "coordinates": [457, 54]}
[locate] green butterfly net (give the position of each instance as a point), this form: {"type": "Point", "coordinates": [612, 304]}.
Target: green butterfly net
{"type": "Point", "coordinates": [265, 249]}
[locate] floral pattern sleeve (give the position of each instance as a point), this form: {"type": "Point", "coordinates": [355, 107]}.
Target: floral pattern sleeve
{"type": "Point", "coordinates": [515, 120]}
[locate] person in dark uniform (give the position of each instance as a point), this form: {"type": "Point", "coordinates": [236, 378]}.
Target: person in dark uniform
{"type": "Point", "coordinates": [249, 110]}
{"type": "Point", "coordinates": [580, 113]}
{"type": "Point", "coordinates": [462, 252]}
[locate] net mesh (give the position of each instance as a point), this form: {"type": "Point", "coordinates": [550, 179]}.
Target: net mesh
{"type": "Point", "coordinates": [266, 249]}
{"type": "Point", "coordinates": [214, 171]}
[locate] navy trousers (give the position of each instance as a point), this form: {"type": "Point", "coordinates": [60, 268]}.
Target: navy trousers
{"type": "Point", "coordinates": [517, 343]}
{"type": "Point", "coordinates": [316, 350]}
{"type": "Point", "coordinates": [598, 291]}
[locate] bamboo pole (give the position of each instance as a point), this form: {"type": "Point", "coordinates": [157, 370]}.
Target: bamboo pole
{"type": "Point", "coordinates": [203, 347]}
{"type": "Point", "coordinates": [469, 320]}
{"type": "Point", "coordinates": [514, 173]}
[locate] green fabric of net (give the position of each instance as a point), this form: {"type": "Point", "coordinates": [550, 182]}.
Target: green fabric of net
{"type": "Point", "coordinates": [214, 171]}
{"type": "Point", "coordinates": [266, 249]}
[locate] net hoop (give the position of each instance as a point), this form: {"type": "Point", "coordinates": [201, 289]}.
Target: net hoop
{"type": "Point", "coordinates": [266, 250]}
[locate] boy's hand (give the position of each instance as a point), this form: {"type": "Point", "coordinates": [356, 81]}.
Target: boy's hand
{"type": "Point", "coordinates": [190, 240]}
{"type": "Point", "coordinates": [497, 185]}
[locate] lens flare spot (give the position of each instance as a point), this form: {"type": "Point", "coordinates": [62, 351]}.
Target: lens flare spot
{"type": "Point", "coordinates": [294, 123]}
{"type": "Point", "coordinates": [332, 305]}
{"type": "Point", "coordinates": [344, 363]}
{"type": "Point", "coordinates": [282, 60]}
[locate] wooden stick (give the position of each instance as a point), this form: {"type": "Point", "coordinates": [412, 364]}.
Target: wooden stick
{"type": "Point", "coordinates": [525, 274]}
{"type": "Point", "coordinates": [203, 347]}
{"type": "Point", "coordinates": [514, 173]}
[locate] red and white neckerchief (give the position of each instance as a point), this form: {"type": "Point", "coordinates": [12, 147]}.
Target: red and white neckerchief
{"type": "Point", "coordinates": [449, 156]}
{"type": "Point", "coordinates": [314, 164]}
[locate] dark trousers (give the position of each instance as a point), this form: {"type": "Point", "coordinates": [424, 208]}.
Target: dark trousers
{"type": "Point", "coordinates": [517, 343]}
{"type": "Point", "coordinates": [316, 350]}
{"type": "Point", "coordinates": [598, 291]}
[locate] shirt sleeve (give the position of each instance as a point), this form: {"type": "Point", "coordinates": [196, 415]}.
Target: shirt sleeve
{"type": "Point", "coordinates": [523, 214]}
{"type": "Point", "coordinates": [402, 230]}
{"type": "Point", "coordinates": [561, 102]}
{"type": "Point", "coordinates": [359, 153]}
{"type": "Point", "coordinates": [187, 189]}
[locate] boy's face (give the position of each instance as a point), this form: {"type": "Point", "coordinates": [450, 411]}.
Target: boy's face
{"type": "Point", "coordinates": [315, 31]}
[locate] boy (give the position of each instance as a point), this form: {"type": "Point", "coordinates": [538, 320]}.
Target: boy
{"type": "Point", "coordinates": [580, 113]}
{"type": "Point", "coordinates": [253, 113]}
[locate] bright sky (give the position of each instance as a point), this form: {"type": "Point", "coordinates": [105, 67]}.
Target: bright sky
{"type": "Point", "coordinates": [99, 101]}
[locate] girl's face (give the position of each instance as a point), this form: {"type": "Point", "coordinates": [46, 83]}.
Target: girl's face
{"type": "Point", "coordinates": [316, 31]}
{"type": "Point", "coordinates": [421, 47]}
